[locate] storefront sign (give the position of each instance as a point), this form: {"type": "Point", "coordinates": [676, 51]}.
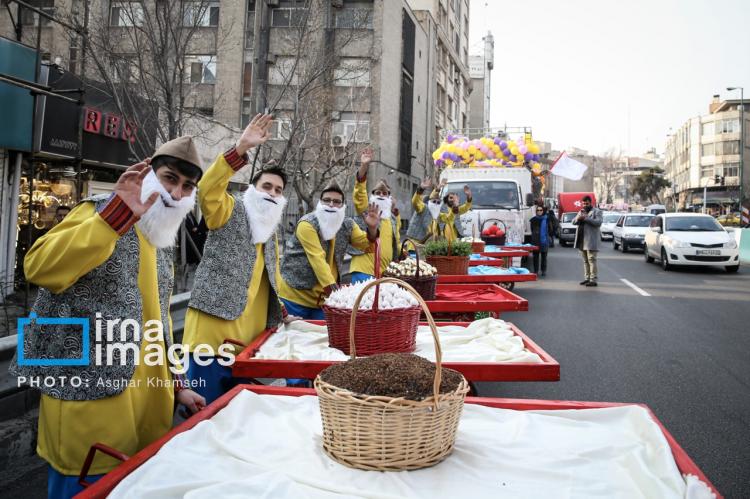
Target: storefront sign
{"type": "Point", "coordinates": [108, 136]}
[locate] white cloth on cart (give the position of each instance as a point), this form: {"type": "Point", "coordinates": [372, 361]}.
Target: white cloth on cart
{"type": "Point", "coordinates": [265, 446]}
{"type": "Point", "coordinates": [485, 340]}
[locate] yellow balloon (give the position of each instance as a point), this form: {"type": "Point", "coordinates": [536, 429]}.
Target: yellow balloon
{"type": "Point", "coordinates": [533, 148]}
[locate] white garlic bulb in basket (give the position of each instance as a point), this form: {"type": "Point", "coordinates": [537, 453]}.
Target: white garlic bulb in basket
{"type": "Point", "coordinates": [391, 296]}
{"type": "Point", "coordinates": [408, 268]}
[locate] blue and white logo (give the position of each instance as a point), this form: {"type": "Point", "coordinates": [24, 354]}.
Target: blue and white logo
{"type": "Point", "coordinates": [49, 321]}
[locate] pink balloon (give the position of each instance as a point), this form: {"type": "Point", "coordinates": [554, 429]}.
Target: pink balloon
{"type": "Point", "coordinates": [523, 149]}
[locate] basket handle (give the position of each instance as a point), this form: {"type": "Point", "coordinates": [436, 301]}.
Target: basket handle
{"type": "Point", "coordinates": [433, 328]}
{"type": "Point", "coordinates": [377, 274]}
{"type": "Point", "coordinates": [104, 449]}
{"type": "Point", "coordinates": [416, 251]}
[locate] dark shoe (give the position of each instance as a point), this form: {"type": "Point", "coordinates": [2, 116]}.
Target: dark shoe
{"type": "Point", "coordinates": [543, 273]}
{"type": "Point", "coordinates": [591, 284]}
{"type": "Point", "coordinates": [584, 282]}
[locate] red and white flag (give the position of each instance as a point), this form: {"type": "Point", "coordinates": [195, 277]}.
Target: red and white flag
{"type": "Point", "coordinates": [567, 167]}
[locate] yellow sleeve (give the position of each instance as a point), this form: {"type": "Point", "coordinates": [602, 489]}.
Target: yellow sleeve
{"type": "Point", "coordinates": [216, 203]}
{"type": "Point", "coordinates": [446, 217]}
{"type": "Point", "coordinates": [464, 208]}
{"type": "Point", "coordinates": [74, 247]}
{"type": "Point", "coordinates": [359, 239]}
{"type": "Point", "coordinates": [398, 231]}
{"type": "Point", "coordinates": [310, 241]}
{"type": "Point", "coordinates": [417, 202]}
{"type": "Point", "coordinates": [361, 199]}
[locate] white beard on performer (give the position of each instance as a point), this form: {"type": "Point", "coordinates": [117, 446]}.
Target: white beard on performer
{"type": "Point", "coordinates": [161, 223]}
{"type": "Point", "coordinates": [384, 204]}
{"type": "Point", "coordinates": [330, 219]}
{"type": "Point", "coordinates": [434, 209]}
{"type": "Point", "coordinates": [264, 212]}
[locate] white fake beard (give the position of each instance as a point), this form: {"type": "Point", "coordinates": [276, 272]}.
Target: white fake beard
{"type": "Point", "coordinates": [161, 223]}
{"type": "Point", "coordinates": [434, 209]}
{"type": "Point", "coordinates": [384, 204]}
{"type": "Point", "coordinates": [330, 219]}
{"type": "Point", "coordinates": [264, 212]}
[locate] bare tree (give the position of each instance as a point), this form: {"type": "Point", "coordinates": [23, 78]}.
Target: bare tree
{"type": "Point", "coordinates": [319, 91]}
{"type": "Point", "coordinates": [607, 173]}
{"type": "Point", "coordinates": [143, 54]}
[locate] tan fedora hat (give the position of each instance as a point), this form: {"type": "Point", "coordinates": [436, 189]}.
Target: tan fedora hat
{"type": "Point", "coordinates": [181, 148]}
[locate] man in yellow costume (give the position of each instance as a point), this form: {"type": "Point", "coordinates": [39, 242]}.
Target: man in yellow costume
{"type": "Point", "coordinates": [235, 295]}
{"type": "Point", "coordinates": [314, 256]}
{"type": "Point", "coordinates": [109, 261]}
{"type": "Point", "coordinates": [362, 266]}
{"type": "Point", "coordinates": [450, 219]}
{"type": "Point", "coordinates": [422, 224]}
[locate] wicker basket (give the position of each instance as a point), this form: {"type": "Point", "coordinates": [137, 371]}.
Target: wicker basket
{"type": "Point", "coordinates": [425, 285]}
{"type": "Point", "coordinates": [378, 331]}
{"type": "Point", "coordinates": [450, 265]}
{"type": "Point", "coordinates": [390, 434]}
{"type": "Point", "coordinates": [497, 241]}
{"type": "Point", "coordinates": [476, 246]}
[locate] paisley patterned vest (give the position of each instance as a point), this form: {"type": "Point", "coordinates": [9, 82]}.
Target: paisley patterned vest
{"type": "Point", "coordinates": [225, 271]}
{"type": "Point", "coordinates": [110, 290]}
{"type": "Point", "coordinates": [296, 269]}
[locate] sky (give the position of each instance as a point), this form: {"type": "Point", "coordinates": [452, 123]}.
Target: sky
{"type": "Point", "coordinates": [602, 74]}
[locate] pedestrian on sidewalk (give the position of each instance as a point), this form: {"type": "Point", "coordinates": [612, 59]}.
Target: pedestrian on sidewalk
{"type": "Point", "coordinates": [541, 236]}
{"type": "Point", "coordinates": [588, 234]}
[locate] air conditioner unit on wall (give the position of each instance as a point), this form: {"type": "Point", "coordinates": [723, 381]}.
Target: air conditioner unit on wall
{"type": "Point", "coordinates": [339, 140]}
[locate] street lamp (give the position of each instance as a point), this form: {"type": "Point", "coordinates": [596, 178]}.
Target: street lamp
{"type": "Point", "coordinates": [742, 138]}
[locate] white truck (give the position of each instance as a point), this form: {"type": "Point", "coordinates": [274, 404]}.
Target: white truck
{"type": "Point", "coordinates": [499, 193]}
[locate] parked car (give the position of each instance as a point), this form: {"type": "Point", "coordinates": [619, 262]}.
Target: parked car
{"type": "Point", "coordinates": [656, 209]}
{"type": "Point", "coordinates": [630, 230]}
{"type": "Point", "coordinates": [690, 239]}
{"type": "Point", "coordinates": [567, 229]}
{"type": "Point", "coordinates": [730, 219]}
{"type": "Point", "coordinates": [609, 219]}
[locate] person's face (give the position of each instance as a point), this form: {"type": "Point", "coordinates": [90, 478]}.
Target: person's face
{"type": "Point", "coordinates": [586, 204]}
{"type": "Point", "coordinates": [539, 210]}
{"type": "Point", "coordinates": [332, 199]}
{"type": "Point", "coordinates": [177, 185]}
{"type": "Point", "coordinates": [270, 184]}
{"type": "Point", "coordinates": [435, 201]}
{"type": "Point", "coordinates": [381, 193]}
{"type": "Point", "coordinates": [453, 199]}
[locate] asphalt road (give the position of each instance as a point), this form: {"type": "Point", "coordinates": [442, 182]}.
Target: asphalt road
{"type": "Point", "coordinates": [683, 350]}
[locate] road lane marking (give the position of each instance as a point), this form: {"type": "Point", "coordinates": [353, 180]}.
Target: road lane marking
{"type": "Point", "coordinates": [636, 288]}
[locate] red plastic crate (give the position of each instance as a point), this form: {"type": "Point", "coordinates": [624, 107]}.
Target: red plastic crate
{"type": "Point", "coordinates": [107, 483]}
{"type": "Point", "coordinates": [247, 366]}
{"type": "Point", "coordinates": [502, 300]}
{"type": "Point", "coordinates": [485, 279]}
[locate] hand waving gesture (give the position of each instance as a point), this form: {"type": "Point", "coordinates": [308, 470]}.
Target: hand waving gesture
{"type": "Point", "coordinates": [129, 186]}
{"type": "Point", "coordinates": [255, 134]}
{"type": "Point", "coordinates": [372, 217]}
{"type": "Point", "coordinates": [467, 191]}
{"type": "Point", "coordinates": [426, 183]}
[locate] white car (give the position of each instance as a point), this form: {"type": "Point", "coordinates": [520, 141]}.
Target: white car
{"type": "Point", "coordinates": [567, 229]}
{"type": "Point", "coordinates": [691, 239]}
{"type": "Point", "coordinates": [630, 231]}
{"type": "Point", "coordinates": [609, 219]}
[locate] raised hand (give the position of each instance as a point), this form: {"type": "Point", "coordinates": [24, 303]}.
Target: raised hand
{"type": "Point", "coordinates": [129, 187]}
{"type": "Point", "coordinates": [443, 183]}
{"type": "Point", "coordinates": [372, 217]}
{"type": "Point", "coordinates": [255, 134]}
{"type": "Point", "coordinates": [467, 191]}
{"type": "Point", "coordinates": [366, 156]}
{"type": "Point", "coordinates": [426, 183]}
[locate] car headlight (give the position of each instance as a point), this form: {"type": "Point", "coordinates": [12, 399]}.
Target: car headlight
{"type": "Point", "coordinates": [731, 244]}
{"type": "Point", "coordinates": [676, 244]}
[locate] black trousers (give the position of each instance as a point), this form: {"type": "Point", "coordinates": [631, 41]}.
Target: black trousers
{"type": "Point", "coordinates": [536, 261]}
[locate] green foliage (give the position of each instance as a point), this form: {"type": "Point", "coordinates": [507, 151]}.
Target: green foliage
{"type": "Point", "coordinates": [440, 248]}
{"type": "Point", "coordinates": [649, 184]}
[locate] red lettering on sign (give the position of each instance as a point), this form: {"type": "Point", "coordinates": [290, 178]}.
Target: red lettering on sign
{"type": "Point", "coordinates": [93, 122]}
{"type": "Point", "coordinates": [128, 132]}
{"type": "Point", "coordinates": [112, 126]}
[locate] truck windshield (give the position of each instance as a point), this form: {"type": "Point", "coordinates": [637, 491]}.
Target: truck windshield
{"type": "Point", "coordinates": [491, 195]}
{"type": "Point", "coordinates": [568, 217]}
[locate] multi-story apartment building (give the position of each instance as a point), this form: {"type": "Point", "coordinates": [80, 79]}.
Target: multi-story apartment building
{"type": "Point", "coordinates": [706, 148]}
{"type": "Point", "coordinates": [480, 69]}
{"type": "Point", "coordinates": [446, 23]}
